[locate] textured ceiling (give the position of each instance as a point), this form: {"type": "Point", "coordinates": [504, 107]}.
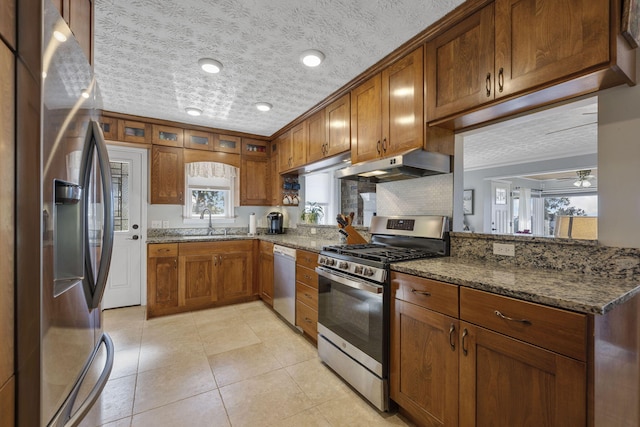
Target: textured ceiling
{"type": "Point", "coordinates": [146, 54]}
{"type": "Point", "coordinates": [560, 132]}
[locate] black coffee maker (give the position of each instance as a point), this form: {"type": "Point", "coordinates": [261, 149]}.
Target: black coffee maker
{"type": "Point", "coordinates": [275, 223]}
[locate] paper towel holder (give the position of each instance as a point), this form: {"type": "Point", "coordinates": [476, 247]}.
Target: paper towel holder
{"type": "Point", "coordinates": [252, 224]}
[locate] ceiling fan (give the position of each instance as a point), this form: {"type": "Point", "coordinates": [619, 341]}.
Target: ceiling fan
{"type": "Point", "coordinates": [584, 178]}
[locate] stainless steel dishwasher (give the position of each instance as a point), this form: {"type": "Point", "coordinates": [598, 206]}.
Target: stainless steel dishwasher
{"type": "Point", "coordinates": [284, 282]}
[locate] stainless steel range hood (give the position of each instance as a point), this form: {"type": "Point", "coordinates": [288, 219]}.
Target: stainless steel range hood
{"type": "Point", "coordinates": [411, 164]}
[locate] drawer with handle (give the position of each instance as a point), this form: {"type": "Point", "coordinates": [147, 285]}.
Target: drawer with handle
{"type": "Point", "coordinates": [307, 319]}
{"type": "Point", "coordinates": [307, 259]}
{"type": "Point", "coordinates": [306, 276]}
{"type": "Point", "coordinates": [157, 250]}
{"type": "Point", "coordinates": [558, 330]}
{"type": "Point", "coordinates": [437, 296]}
{"type": "Point", "coordinates": [307, 295]}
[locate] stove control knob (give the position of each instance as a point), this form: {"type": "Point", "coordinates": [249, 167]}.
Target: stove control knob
{"type": "Point", "coordinates": [331, 261]}
{"type": "Point", "coordinates": [368, 272]}
{"type": "Point", "coordinates": [321, 260]}
{"type": "Point", "coordinates": [343, 265]}
{"type": "Point", "coordinates": [358, 269]}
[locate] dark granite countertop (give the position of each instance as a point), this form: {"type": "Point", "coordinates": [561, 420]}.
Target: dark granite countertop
{"type": "Point", "coordinates": [579, 292]}
{"type": "Point", "coordinates": [573, 291]}
{"type": "Point", "coordinates": [307, 243]}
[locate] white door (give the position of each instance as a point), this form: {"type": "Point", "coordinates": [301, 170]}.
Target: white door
{"type": "Point", "coordinates": [500, 207]}
{"type": "Point", "coordinates": [124, 284]}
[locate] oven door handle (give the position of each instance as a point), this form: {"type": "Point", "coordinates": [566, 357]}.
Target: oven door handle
{"type": "Point", "coordinates": [350, 282]}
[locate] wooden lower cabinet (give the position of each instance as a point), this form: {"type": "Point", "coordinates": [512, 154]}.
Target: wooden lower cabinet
{"type": "Point", "coordinates": [424, 350]}
{"type": "Point", "coordinates": [196, 275]}
{"type": "Point", "coordinates": [506, 382]}
{"type": "Point", "coordinates": [265, 275]}
{"type": "Point", "coordinates": [162, 279]}
{"type": "Point", "coordinates": [447, 371]}
{"type": "Point", "coordinates": [307, 293]}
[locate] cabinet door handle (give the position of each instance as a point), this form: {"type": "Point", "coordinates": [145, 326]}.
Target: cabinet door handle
{"type": "Point", "coordinates": [488, 84]}
{"type": "Point", "coordinates": [378, 147]}
{"type": "Point", "coordinates": [175, 264]}
{"type": "Point", "coordinates": [464, 341]}
{"type": "Point", "coordinates": [306, 319]}
{"type": "Point", "coordinates": [501, 79]}
{"type": "Point", "coordinates": [502, 316]}
{"type": "Point", "coordinates": [425, 293]}
{"type": "Point", "coordinates": [307, 295]}
{"type": "Point", "coordinates": [452, 342]}
{"type": "Point", "coordinates": [384, 145]}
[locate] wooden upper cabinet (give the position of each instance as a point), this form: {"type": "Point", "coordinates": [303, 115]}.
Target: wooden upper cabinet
{"type": "Point", "coordinates": [255, 172]}
{"type": "Point", "coordinates": [460, 66]}
{"type": "Point", "coordinates": [366, 120]}
{"type": "Point", "coordinates": [78, 14]}
{"type": "Point", "coordinates": [81, 24]}
{"type": "Point", "coordinates": [167, 175]}
{"type": "Point", "coordinates": [514, 48]}
{"type": "Point", "coordinates": [8, 21]}
{"type": "Point", "coordinates": [198, 140]}
{"type": "Point", "coordinates": [317, 140]}
{"type": "Point", "coordinates": [299, 138]}
{"type": "Point", "coordinates": [284, 151]}
{"type": "Point", "coordinates": [403, 104]}
{"type": "Point", "coordinates": [226, 143]}
{"type": "Point", "coordinates": [275, 180]}
{"type": "Point", "coordinates": [387, 111]}
{"type": "Point", "coordinates": [109, 127]}
{"type": "Point", "coordinates": [338, 126]}
{"type": "Point", "coordinates": [136, 132]}
{"type": "Point", "coordinates": [167, 135]}
{"type": "Point", "coordinates": [539, 43]}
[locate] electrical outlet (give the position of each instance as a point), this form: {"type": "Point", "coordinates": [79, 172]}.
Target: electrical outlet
{"type": "Point", "coordinates": [313, 231]}
{"type": "Point", "coordinates": [504, 249]}
{"type": "Point", "coordinates": [165, 224]}
{"type": "Point", "coordinates": [156, 223]}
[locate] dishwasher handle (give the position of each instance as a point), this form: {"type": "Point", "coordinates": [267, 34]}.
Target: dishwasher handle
{"type": "Point", "coordinates": [284, 251]}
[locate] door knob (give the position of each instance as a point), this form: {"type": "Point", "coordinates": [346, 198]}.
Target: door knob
{"type": "Point", "coordinates": [134, 237]}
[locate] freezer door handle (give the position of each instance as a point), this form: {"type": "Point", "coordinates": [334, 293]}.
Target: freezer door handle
{"type": "Point", "coordinates": [64, 418]}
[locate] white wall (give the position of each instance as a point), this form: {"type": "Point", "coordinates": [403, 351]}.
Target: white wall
{"type": "Point", "coordinates": [619, 166]}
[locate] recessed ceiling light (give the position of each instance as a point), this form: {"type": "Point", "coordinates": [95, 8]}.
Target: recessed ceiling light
{"type": "Point", "coordinates": [263, 106]}
{"type": "Point", "coordinates": [210, 65]}
{"type": "Point", "coordinates": [192, 111]}
{"type": "Point", "coordinates": [59, 36]}
{"type": "Point", "coordinates": [85, 94]}
{"type": "Point", "coordinates": [312, 58]}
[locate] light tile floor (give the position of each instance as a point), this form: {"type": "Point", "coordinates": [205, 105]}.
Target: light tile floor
{"type": "Point", "coordinates": [234, 366]}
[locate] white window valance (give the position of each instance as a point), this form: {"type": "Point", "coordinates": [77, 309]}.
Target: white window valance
{"type": "Point", "coordinates": [211, 170]}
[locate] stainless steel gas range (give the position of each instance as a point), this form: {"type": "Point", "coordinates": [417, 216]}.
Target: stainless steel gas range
{"type": "Point", "coordinates": [355, 298]}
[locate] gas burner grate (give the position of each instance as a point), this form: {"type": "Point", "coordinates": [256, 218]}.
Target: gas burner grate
{"type": "Point", "coordinates": [380, 253]}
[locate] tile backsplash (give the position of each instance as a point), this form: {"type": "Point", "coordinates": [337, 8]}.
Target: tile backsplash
{"type": "Point", "coordinates": [431, 195]}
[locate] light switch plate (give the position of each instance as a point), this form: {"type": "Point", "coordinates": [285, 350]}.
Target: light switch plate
{"type": "Point", "coordinates": [165, 224]}
{"type": "Point", "coordinates": [156, 223]}
{"type": "Point", "coordinates": [504, 249]}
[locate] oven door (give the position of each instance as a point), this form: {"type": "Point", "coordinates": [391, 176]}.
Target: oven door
{"type": "Point", "coordinates": [352, 309]}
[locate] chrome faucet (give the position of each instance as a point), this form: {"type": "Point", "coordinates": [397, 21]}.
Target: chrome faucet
{"type": "Point", "coordinates": [210, 230]}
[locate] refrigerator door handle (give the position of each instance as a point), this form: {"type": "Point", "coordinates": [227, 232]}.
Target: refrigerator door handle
{"type": "Point", "coordinates": [107, 243]}
{"type": "Point", "coordinates": [63, 419]}
{"type": "Point", "coordinates": [94, 283]}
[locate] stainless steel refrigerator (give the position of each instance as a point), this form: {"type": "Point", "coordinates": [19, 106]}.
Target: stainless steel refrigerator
{"type": "Point", "coordinates": [76, 356]}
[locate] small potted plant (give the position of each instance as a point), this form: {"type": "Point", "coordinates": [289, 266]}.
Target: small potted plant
{"type": "Point", "coordinates": [312, 213]}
